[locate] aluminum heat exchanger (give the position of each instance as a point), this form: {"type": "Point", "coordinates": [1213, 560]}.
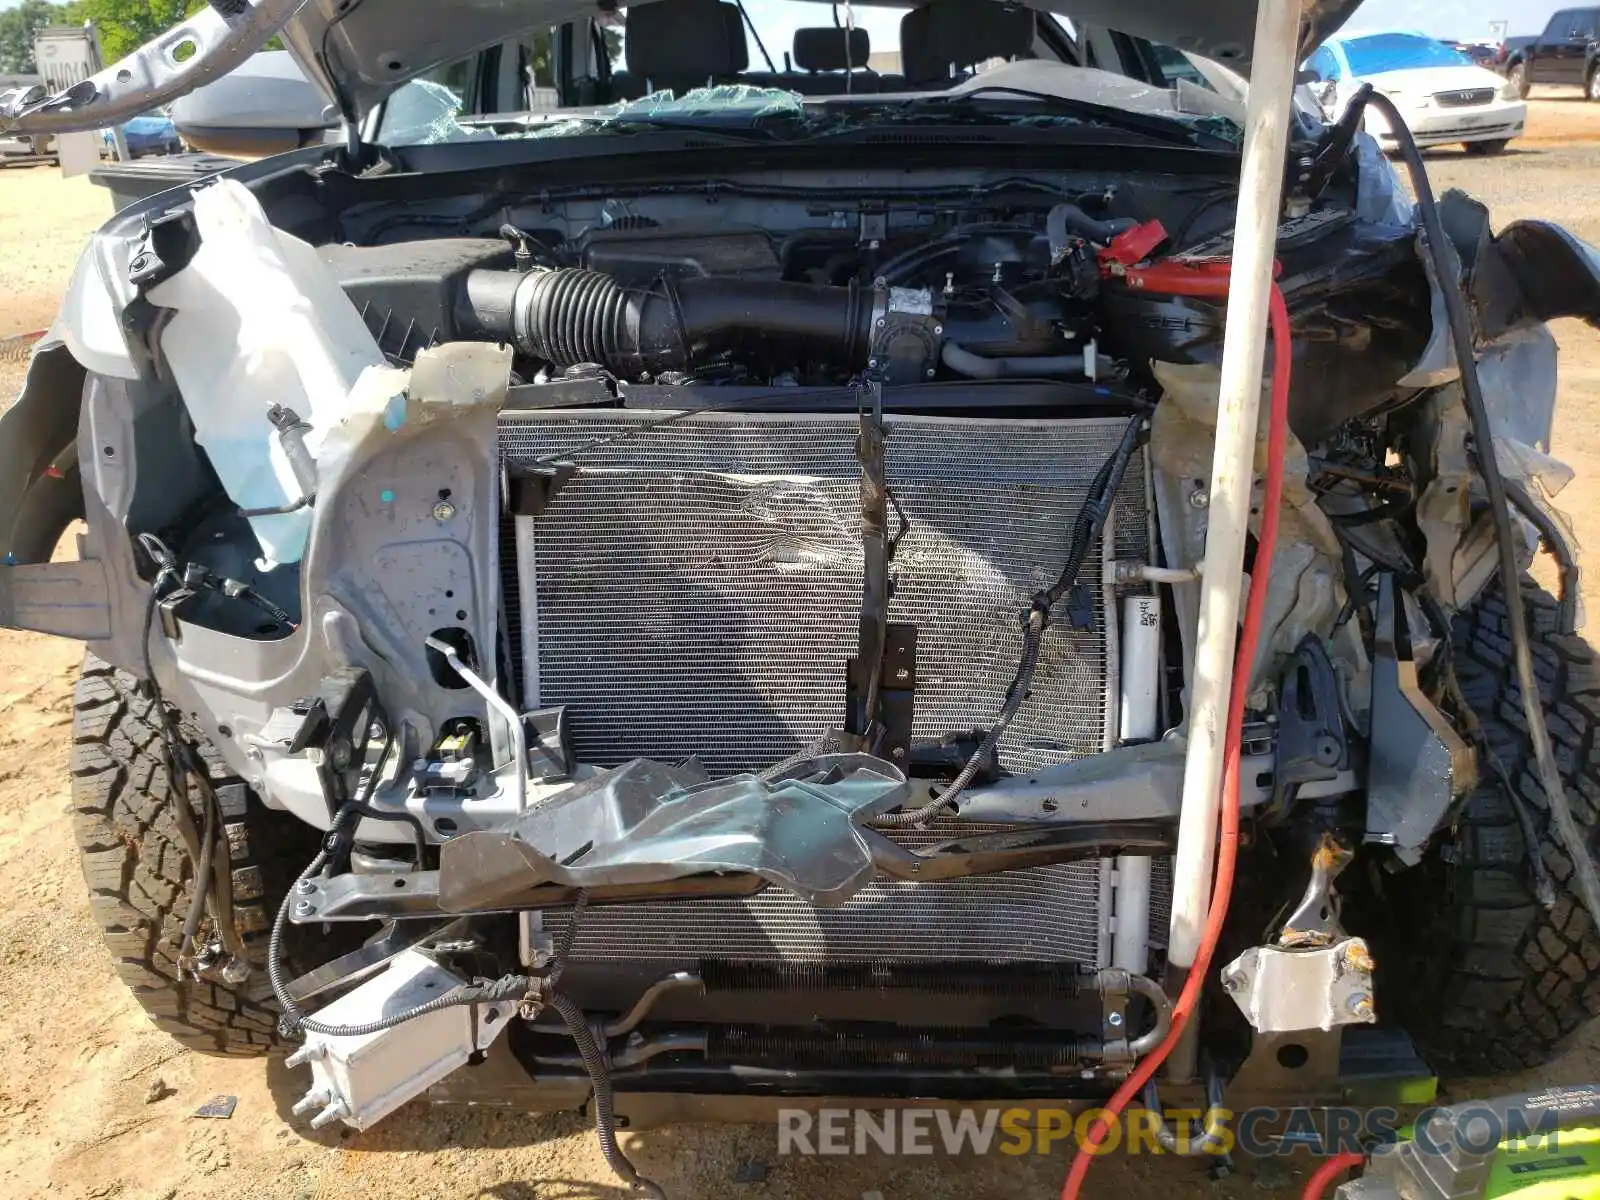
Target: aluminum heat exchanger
{"type": "Point", "coordinates": [695, 589]}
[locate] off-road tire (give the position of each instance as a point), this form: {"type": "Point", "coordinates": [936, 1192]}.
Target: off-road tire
{"type": "Point", "coordinates": [1486, 148]}
{"type": "Point", "coordinates": [1495, 980]}
{"type": "Point", "coordinates": [1517, 73]}
{"type": "Point", "coordinates": [141, 879]}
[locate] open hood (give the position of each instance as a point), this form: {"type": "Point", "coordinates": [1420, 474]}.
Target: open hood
{"type": "Point", "coordinates": [359, 51]}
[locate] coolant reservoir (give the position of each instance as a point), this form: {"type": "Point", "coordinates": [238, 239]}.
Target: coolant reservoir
{"type": "Point", "coordinates": [260, 322]}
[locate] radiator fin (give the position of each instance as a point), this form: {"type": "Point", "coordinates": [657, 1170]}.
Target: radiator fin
{"type": "Point", "coordinates": [696, 588]}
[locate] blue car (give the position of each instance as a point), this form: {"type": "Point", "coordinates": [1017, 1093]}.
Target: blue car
{"type": "Point", "coordinates": [152, 133]}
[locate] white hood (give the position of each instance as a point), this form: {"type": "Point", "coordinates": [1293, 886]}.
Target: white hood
{"type": "Point", "coordinates": [1425, 81]}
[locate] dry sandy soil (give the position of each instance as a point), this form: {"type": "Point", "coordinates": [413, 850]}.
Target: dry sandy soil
{"type": "Point", "coordinates": [75, 1116]}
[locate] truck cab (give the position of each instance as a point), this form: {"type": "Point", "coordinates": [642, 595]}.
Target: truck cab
{"type": "Point", "coordinates": [1564, 54]}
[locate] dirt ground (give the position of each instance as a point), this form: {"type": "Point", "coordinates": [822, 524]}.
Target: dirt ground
{"type": "Point", "coordinates": [81, 1115]}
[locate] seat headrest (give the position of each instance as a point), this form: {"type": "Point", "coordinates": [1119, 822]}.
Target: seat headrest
{"type": "Point", "coordinates": [962, 33]}
{"type": "Point", "coordinates": [685, 40]}
{"type": "Point", "coordinates": [830, 48]}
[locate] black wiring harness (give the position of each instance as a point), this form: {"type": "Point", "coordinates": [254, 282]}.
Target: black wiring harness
{"type": "Point", "coordinates": [1089, 524]}
{"type": "Point", "coordinates": [183, 767]}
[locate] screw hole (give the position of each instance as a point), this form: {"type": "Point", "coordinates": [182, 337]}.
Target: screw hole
{"type": "Point", "coordinates": [400, 883]}
{"type": "Point", "coordinates": [109, 451]}
{"type": "Point", "coordinates": [1293, 1056]}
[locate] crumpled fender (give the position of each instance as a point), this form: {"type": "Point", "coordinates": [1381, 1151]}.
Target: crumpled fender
{"type": "Point", "coordinates": [1554, 274]}
{"type": "Point", "coordinates": [40, 488]}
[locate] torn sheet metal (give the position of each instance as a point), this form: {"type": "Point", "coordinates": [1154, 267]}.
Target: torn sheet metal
{"type": "Point", "coordinates": [1418, 763]}
{"type": "Point", "coordinates": [647, 822]}
{"type": "Point", "coordinates": [1307, 589]}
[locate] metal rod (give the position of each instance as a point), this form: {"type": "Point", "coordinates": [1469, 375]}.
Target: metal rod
{"type": "Point", "coordinates": [1244, 342]}
{"type": "Point", "coordinates": [501, 707]}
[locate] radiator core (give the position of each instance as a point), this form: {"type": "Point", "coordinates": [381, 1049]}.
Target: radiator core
{"type": "Point", "coordinates": [695, 589]}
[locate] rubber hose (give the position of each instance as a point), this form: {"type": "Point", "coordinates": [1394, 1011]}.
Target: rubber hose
{"type": "Point", "coordinates": [1067, 219]}
{"type": "Point", "coordinates": [1212, 1133]}
{"type": "Point", "coordinates": [1329, 1171]}
{"type": "Point", "coordinates": [202, 874]}
{"type": "Point", "coordinates": [605, 1121]}
{"type": "Point", "coordinates": [571, 316]}
{"type": "Point", "coordinates": [975, 366]}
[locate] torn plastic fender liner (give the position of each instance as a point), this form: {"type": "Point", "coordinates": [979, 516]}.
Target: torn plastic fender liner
{"type": "Point", "coordinates": [646, 822]}
{"type": "Point", "coordinates": [1556, 274]}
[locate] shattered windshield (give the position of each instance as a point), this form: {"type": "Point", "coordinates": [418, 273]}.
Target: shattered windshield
{"type": "Point", "coordinates": [787, 70]}
{"type": "Point", "coordinates": [428, 113]}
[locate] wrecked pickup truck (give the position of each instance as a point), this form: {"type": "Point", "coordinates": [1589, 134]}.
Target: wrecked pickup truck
{"type": "Point", "coordinates": [714, 591]}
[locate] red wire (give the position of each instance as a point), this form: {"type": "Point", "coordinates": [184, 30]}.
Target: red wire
{"type": "Point", "coordinates": [1324, 1175]}
{"type": "Point", "coordinates": [1228, 832]}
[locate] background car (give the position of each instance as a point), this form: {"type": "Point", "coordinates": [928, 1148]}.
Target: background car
{"type": "Point", "coordinates": [1443, 95]}
{"type": "Point", "coordinates": [152, 133]}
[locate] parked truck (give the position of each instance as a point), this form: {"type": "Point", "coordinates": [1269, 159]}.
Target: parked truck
{"type": "Point", "coordinates": [1565, 53]}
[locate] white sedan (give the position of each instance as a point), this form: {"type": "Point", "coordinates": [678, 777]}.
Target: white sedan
{"type": "Point", "coordinates": [1444, 96]}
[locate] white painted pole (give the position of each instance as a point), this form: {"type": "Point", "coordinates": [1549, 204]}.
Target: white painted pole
{"type": "Point", "coordinates": [1273, 62]}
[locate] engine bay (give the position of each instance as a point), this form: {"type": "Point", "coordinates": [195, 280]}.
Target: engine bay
{"type": "Point", "coordinates": [803, 573]}
{"type": "Point", "coordinates": [1019, 281]}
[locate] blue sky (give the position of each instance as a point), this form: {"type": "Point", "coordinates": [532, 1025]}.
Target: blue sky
{"type": "Point", "coordinates": [1442, 18]}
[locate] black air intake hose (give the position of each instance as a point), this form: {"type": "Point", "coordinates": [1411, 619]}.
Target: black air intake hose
{"type": "Point", "coordinates": [572, 316]}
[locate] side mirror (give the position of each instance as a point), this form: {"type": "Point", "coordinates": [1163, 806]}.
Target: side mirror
{"type": "Point", "coordinates": [263, 106]}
